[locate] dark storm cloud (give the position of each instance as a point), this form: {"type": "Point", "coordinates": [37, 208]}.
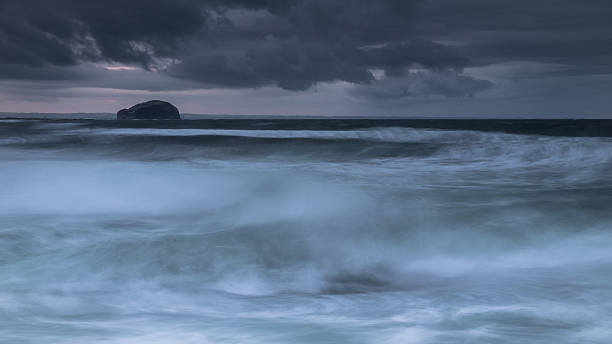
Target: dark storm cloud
{"type": "Point", "coordinates": [448, 16]}
{"type": "Point", "coordinates": [289, 63]}
{"type": "Point", "coordinates": [423, 84]}
{"type": "Point", "coordinates": [422, 47]}
{"type": "Point", "coordinates": [66, 32]}
{"type": "Point", "coordinates": [316, 41]}
{"type": "Point", "coordinates": [312, 42]}
{"type": "Point", "coordinates": [294, 64]}
{"type": "Point", "coordinates": [393, 57]}
{"type": "Point", "coordinates": [575, 34]}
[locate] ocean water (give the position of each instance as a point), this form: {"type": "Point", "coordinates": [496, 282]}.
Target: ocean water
{"type": "Point", "coordinates": [149, 234]}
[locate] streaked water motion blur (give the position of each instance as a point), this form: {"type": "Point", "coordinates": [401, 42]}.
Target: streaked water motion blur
{"type": "Point", "coordinates": [149, 234]}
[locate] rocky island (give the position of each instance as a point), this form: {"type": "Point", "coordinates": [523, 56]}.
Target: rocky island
{"type": "Point", "coordinates": [154, 109]}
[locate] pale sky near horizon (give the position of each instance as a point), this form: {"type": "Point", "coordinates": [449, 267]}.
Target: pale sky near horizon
{"type": "Point", "coordinates": [488, 58]}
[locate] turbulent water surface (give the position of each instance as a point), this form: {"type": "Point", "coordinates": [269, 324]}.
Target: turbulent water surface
{"type": "Point", "coordinates": [112, 234]}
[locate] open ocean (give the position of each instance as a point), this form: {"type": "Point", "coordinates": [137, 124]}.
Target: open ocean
{"type": "Point", "coordinates": [305, 231]}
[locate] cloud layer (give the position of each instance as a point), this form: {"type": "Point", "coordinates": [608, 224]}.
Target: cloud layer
{"type": "Point", "coordinates": [290, 44]}
{"type": "Point", "coordinates": [388, 49]}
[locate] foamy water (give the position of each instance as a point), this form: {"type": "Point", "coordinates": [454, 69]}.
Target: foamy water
{"type": "Point", "coordinates": [381, 235]}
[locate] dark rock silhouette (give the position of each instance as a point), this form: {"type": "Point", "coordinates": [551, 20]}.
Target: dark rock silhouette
{"type": "Point", "coordinates": [154, 109]}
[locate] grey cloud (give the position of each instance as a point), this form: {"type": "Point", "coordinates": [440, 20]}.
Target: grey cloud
{"type": "Point", "coordinates": [289, 63]}
{"type": "Point", "coordinates": [295, 44]}
{"type": "Point", "coordinates": [293, 64]}
{"type": "Point", "coordinates": [573, 33]}
{"type": "Point", "coordinates": [310, 41]}
{"type": "Point", "coordinates": [449, 16]}
{"type": "Point", "coordinates": [393, 58]}
{"type": "Point", "coordinates": [423, 84]}
{"type": "Point", "coordinates": [48, 72]}
{"type": "Point", "coordinates": [66, 32]}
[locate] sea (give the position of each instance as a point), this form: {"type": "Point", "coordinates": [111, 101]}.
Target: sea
{"type": "Point", "coordinates": [305, 230]}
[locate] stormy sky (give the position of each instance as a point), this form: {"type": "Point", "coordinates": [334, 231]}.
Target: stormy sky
{"type": "Point", "coordinates": [506, 58]}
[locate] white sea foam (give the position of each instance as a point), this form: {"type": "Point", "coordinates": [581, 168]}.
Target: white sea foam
{"type": "Point", "coordinates": [487, 238]}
